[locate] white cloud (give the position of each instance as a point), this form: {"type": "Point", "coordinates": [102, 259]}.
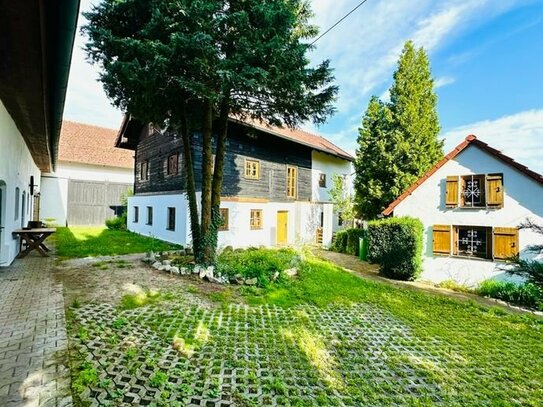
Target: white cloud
{"type": "Point", "coordinates": [443, 81]}
{"type": "Point", "coordinates": [519, 136]}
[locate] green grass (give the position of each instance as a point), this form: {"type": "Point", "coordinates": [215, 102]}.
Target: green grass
{"type": "Point", "coordinates": [83, 241]}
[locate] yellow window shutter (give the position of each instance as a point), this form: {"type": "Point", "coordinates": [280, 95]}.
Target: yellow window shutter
{"type": "Point", "coordinates": [495, 190]}
{"type": "Point", "coordinates": [505, 243]}
{"type": "Point", "coordinates": [441, 235]}
{"type": "Point", "coordinates": [451, 191]}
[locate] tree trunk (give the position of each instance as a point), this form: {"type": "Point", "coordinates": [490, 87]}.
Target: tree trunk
{"type": "Point", "coordinates": [190, 183]}
{"type": "Point", "coordinates": [207, 244]}
{"type": "Point", "coordinates": [218, 171]}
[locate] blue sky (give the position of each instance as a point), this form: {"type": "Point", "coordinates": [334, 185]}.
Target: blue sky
{"type": "Point", "coordinates": [486, 56]}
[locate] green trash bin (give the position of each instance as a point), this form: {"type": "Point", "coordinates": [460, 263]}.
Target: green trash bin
{"type": "Point", "coordinates": [363, 248]}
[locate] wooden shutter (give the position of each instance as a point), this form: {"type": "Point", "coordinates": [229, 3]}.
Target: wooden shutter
{"type": "Point", "coordinates": [505, 243]}
{"type": "Point", "coordinates": [441, 235]}
{"type": "Point", "coordinates": [494, 190]}
{"type": "Point", "coordinates": [451, 192]}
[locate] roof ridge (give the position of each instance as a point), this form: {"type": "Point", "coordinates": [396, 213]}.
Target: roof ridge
{"type": "Point", "coordinates": [469, 140]}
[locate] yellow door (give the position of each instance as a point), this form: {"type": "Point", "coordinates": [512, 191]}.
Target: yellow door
{"type": "Point", "coordinates": [282, 226]}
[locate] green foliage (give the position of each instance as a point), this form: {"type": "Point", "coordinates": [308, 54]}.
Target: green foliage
{"type": "Point", "coordinates": [117, 223]}
{"type": "Point", "coordinates": [396, 245]}
{"type": "Point", "coordinates": [85, 376]}
{"type": "Point", "coordinates": [342, 200]}
{"type": "Point", "coordinates": [84, 241]}
{"type": "Point", "coordinates": [527, 294]}
{"type": "Point", "coordinates": [454, 286]}
{"type": "Point", "coordinates": [340, 242]}
{"type": "Point", "coordinates": [221, 58]}
{"type": "Point", "coordinates": [530, 270]}
{"type": "Point", "coordinates": [136, 300]}
{"type": "Point", "coordinates": [398, 141]}
{"type": "Point", "coordinates": [353, 241]}
{"type": "Point", "coordinates": [258, 263]}
{"type": "Point", "coordinates": [348, 241]}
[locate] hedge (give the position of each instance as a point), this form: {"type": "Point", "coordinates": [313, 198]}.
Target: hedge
{"type": "Point", "coordinates": [396, 245]}
{"type": "Point", "coordinates": [347, 241]}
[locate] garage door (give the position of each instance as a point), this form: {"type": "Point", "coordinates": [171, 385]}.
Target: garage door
{"type": "Point", "coordinates": [92, 202]}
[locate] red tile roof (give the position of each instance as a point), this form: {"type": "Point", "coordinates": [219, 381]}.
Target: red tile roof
{"type": "Point", "coordinates": [89, 144]}
{"type": "Point", "coordinates": [469, 140]}
{"type": "Point", "coordinates": [299, 136]}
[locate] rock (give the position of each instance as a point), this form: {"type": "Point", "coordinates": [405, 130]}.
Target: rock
{"type": "Point", "coordinates": [209, 271]}
{"type": "Point", "coordinates": [202, 273]}
{"type": "Point", "coordinates": [196, 270]}
{"type": "Point", "coordinates": [291, 272]}
{"type": "Point", "coordinates": [215, 280]}
{"type": "Point", "coordinates": [156, 264]}
{"type": "Point", "coordinates": [238, 279]}
{"type": "Point", "coordinates": [167, 262]}
{"type": "Point", "coordinates": [174, 270]}
{"type": "Point", "coordinates": [183, 271]}
{"type": "Point", "coordinates": [275, 276]}
{"type": "Point", "coordinates": [251, 281]}
{"type": "Point", "coordinates": [181, 252]}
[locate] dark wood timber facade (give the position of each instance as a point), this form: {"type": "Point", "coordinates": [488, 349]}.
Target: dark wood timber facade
{"type": "Point", "coordinates": [274, 155]}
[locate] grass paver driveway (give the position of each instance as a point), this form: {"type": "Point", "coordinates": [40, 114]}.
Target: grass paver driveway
{"type": "Point", "coordinates": [326, 337]}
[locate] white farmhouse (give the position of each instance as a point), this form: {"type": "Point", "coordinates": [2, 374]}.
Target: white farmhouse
{"type": "Point", "coordinates": [90, 177]}
{"type": "Point", "coordinates": [275, 189]}
{"type": "Point", "coordinates": [471, 204]}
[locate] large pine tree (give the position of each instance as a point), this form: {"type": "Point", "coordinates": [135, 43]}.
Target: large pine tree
{"type": "Point", "coordinates": [398, 141]}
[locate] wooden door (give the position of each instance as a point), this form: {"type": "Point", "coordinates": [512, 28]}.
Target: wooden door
{"type": "Point", "coordinates": [282, 227]}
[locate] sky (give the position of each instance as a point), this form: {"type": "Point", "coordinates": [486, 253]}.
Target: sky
{"type": "Point", "coordinates": [486, 58]}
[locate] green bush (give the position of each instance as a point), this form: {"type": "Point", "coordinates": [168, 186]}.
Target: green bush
{"type": "Point", "coordinates": [117, 223]}
{"type": "Point", "coordinates": [527, 294]}
{"type": "Point", "coordinates": [353, 241]}
{"type": "Point", "coordinates": [340, 242]}
{"type": "Point", "coordinates": [396, 245]}
{"type": "Point", "coordinates": [259, 263]}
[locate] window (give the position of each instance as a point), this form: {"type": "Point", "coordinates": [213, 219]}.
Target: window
{"type": "Point", "coordinates": [252, 169]}
{"type": "Point", "coordinates": [499, 243]}
{"type": "Point", "coordinates": [474, 191]}
{"type": "Point", "coordinates": [224, 217]}
{"type": "Point", "coordinates": [322, 180]}
{"type": "Point", "coordinates": [256, 219]}
{"type": "Point", "coordinates": [292, 181]}
{"type": "Point", "coordinates": [136, 214]}
{"type": "Point", "coordinates": [17, 192]}
{"type": "Point", "coordinates": [149, 215]}
{"type": "Point", "coordinates": [172, 166]}
{"type": "Point", "coordinates": [144, 170]}
{"type": "Point", "coordinates": [171, 219]}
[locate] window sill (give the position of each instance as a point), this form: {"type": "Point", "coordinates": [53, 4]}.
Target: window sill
{"type": "Point", "coordinates": [170, 230]}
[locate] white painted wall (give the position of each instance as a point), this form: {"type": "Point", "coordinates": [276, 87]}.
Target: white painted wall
{"type": "Point", "coordinates": [16, 167]}
{"type": "Point", "coordinates": [54, 186]}
{"type": "Point", "coordinates": [329, 165]}
{"type": "Point", "coordinates": [303, 218]}
{"type": "Point", "coordinates": [523, 198]}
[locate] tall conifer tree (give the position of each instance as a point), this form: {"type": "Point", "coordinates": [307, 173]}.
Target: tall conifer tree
{"type": "Point", "coordinates": [398, 141]}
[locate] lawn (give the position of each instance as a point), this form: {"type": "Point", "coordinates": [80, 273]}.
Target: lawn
{"type": "Point", "coordinates": [83, 241]}
{"type": "Point", "coordinates": [327, 337]}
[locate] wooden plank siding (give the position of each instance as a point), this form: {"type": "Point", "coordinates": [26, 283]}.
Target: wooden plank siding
{"type": "Point", "coordinates": [273, 153]}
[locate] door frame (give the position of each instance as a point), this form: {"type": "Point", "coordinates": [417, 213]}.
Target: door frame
{"type": "Point", "coordinates": [277, 228]}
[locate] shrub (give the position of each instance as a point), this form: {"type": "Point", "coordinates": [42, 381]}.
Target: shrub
{"type": "Point", "coordinates": [259, 263]}
{"type": "Point", "coordinates": [340, 242]}
{"type": "Point", "coordinates": [117, 223]}
{"type": "Point", "coordinates": [353, 241]}
{"type": "Point", "coordinates": [396, 245]}
{"type": "Point", "coordinates": [527, 294]}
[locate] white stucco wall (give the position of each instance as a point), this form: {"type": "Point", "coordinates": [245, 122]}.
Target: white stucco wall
{"type": "Point", "coordinates": [54, 186]}
{"type": "Point", "coordinates": [329, 165]}
{"type": "Point", "coordinates": [523, 199]}
{"type": "Point", "coordinates": [16, 167]}
{"type": "Point", "coordinates": [303, 218]}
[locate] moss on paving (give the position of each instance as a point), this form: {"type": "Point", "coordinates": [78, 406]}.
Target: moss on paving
{"type": "Point", "coordinates": [324, 338]}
